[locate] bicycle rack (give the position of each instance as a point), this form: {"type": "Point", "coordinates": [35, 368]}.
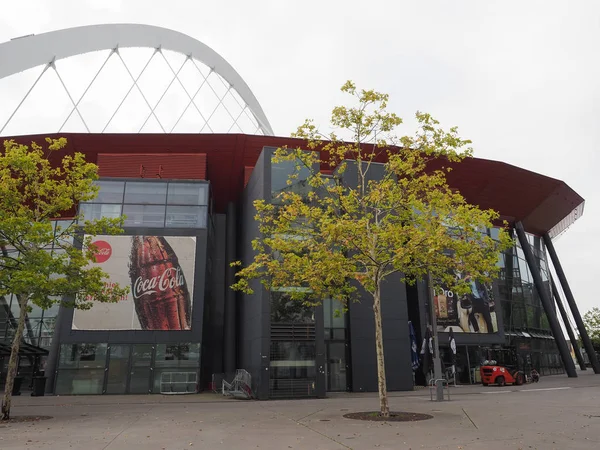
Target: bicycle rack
{"type": "Point", "coordinates": [433, 387]}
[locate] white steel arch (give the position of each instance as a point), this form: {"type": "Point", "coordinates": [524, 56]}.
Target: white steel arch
{"type": "Point", "coordinates": [44, 49]}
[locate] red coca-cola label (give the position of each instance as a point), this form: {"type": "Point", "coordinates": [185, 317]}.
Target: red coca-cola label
{"type": "Point", "coordinates": [169, 279]}
{"type": "Point", "coordinates": [103, 251]}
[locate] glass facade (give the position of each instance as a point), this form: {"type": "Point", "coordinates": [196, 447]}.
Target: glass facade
{"type": "Point", "coordinates": [528, 339]}
{"type": "Point", "coordinates": [152, 203]}
{"type": "Point", "coordinates": [39, 323]}
{"type": "Point", "coordinates": [280, 174]}
{"type": "Point", "coordinates": [127, 368]}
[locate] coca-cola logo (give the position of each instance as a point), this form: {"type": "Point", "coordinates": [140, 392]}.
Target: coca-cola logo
{"type": "Point", "coordinates": [103, 251]}
{"type": "Point", "coordinates": [170, 279]}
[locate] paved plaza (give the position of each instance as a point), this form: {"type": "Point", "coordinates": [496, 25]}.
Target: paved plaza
{"type": "Point", "coordinates": [558, 413]}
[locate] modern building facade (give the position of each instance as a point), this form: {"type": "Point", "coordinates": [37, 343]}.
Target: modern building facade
{"type": "Point", "coordinates": [188, 202]}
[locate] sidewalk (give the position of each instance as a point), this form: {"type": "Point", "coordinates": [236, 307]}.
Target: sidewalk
{"type": "Point", "coordinates": [558, 413]}
{"type": "Point", "coordinates": [585, 379]}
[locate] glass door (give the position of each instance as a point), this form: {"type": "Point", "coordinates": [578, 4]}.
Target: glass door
{"type": "Point", "coordinates": [118, 369]}
{"type": "Point", "coordinates": [141, 369]}
{"type": "Point", "coordinates": [336, 366]}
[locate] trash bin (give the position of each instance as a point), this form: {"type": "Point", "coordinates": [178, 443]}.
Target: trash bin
{"type": "Point", "coordinates": [17, 386]}
{"type": "Point", "coordinates": [39, 386]}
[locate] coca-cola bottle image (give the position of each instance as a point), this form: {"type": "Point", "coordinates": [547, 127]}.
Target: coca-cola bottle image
{"type": "Point", "coordinates": [160, 292]}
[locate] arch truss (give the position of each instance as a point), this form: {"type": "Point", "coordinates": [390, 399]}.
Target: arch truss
{"type": "Point", "coordinates": [233, 101]}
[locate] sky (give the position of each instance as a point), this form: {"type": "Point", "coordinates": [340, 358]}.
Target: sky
{"type": "Point", "coordinates": [520, 79]}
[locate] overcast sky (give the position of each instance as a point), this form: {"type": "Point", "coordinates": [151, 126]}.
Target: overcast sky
{"type": "Point", "coordinates": [519, 78]}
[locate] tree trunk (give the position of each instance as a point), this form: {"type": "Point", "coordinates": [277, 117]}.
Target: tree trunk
{"type": "Point", "coordinates": [14, 359]}
{"type": "Point", "coordinates": [383, 399]}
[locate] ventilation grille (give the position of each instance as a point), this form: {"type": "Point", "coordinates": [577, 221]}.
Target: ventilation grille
{"type": "Point", "coordinates": [293, 331]}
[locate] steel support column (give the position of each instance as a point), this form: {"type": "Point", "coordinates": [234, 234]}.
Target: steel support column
{"type": "Point", "coordinates": [559, 338]}
{"type": "Point", "coordinates": [587, 343]}
{"type": "Point", "coordinates": [229, 338]}
{"type": "Point", "coordinates": [565, 318]}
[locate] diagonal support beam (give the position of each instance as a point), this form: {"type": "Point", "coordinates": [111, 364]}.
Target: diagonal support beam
{"type": "Point", "coordinates": [235, 121]}
{"type": "Point", "coordinates": [567, 323]}
{"type": "Point", "coordinates": [216, 107]}
{"type": "Point", "coordinates": [46, 67]}
{"type": "Point", "coordinates": [70, 97]}
{"type": "Point", "coordinates": [192, 102]}
{"type": "Point", "coordinates": [175, 77]}
{"type": "Point", "coordinates": [229, 87]}
{"type": "Point", "coordinates": [245, 107]}
{"type": "Point", "coordinates": [587, 343]}
{"type": "Point", "coordinates": [112, 52]}
{"type": "Point", "coordinates": [191, 98]}
{"type": "Point", "coordinates": [547, 303]}
{"type": "Point", "coordinates": [132, 86]}
{"type": "Point", "coordinates": [135, 82]}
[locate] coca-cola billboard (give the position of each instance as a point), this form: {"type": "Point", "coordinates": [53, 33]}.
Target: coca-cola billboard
{"type": "Point", "coordinates": [159, 271]}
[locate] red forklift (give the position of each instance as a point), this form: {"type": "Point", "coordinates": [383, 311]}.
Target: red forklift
{"type": "Point", "coordinates": [501, 368]}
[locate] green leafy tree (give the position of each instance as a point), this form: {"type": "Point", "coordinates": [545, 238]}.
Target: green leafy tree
{"type": "Point", "coordinates": [32, 193]}
{"type": "Point", "coordinates": [591, 320]}
{"type": "Point", "coordinates": [334, 237]}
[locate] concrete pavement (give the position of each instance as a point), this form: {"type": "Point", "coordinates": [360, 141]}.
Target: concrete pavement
{"type": "Point", "coordinates": [557, 413]}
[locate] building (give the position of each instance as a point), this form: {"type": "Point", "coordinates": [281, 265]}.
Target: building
{"type": "Point", "coordinates": [188, 201]}
{"type": "Point", "coordinates": [196, 192]}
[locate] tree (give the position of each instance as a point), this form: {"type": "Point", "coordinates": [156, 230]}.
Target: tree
{"type": "Point", "coordinates": [591, 320]}
{"type": "Point", "coordinates": [334, 237]}
{"type": "Point", "coordinates": [32, 193]}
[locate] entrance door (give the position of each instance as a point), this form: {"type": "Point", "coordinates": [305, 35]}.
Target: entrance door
{"type": "Point", "coordinates": [118, 369]}
{"type": "Point", "coordinates": [336, 366]}
{"type": "Point", "coordinates": [141, 369]}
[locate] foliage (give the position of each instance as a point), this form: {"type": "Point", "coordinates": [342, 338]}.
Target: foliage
{"type": "Point", "coordinates": [33, 192]}
{"type": "Point", "coordinates": [331, 236]}
{"type": "Point", "coordinates": [591, 320]}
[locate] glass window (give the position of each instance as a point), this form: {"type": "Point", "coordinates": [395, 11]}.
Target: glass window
{"type": "Point", "coordinates": [14, 306]}
{"type": "Point", "coordinates": [333, 311]}
{"type": "Point", "coordinates": [534, 317]}
{"type": "Point", "coordinates": [292, 359]}
{"type": "Point", "coordinates": [47, 331]}
{"type": "Point", "coordinates": [186, 216]}
{"type": "Point", "coordinates": [63, 239]}
{"type": "Point", "coordinates": [280, 173]}
{"type": "Point", "coordinates": [187, 194]}
{"type": "Point", "coordinates": [82, 356]}
{"type": "Point", "coordinates": [139, 381]}
{"type": "Point", "coordinates": [528, 293]}
{"type": "Point", "coordinates": [80, 382]}
{"type": "Point", "coordinates": [93, 211]}
{"type": "Point", "coordinates": [142, 354]}
{"type": "Point", "coordinates": [118, 369]}
{"type": "Point", "coordinates": [177, 355]}
{"type": "Point", "coordinates": [110, 192]}
{"type": "Point", "coordinates": [495, 233]}
{"type": "Point", "coordinates": [286, 310]}
{"type": "Point", "coordinates": [524, 270]}
{"type": "Point", "coordinates": [144, 215]}
{"type": "Point", "coordinates": [149, 193]}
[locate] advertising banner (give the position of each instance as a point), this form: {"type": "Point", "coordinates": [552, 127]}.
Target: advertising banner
{"type": "Point", "coordinates": [159, 271]}
{"type": "Point", "coordinates": [474, 312]}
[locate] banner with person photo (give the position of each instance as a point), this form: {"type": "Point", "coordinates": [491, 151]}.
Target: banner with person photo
{"type": "Point", "coordinates": [473, 312]}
